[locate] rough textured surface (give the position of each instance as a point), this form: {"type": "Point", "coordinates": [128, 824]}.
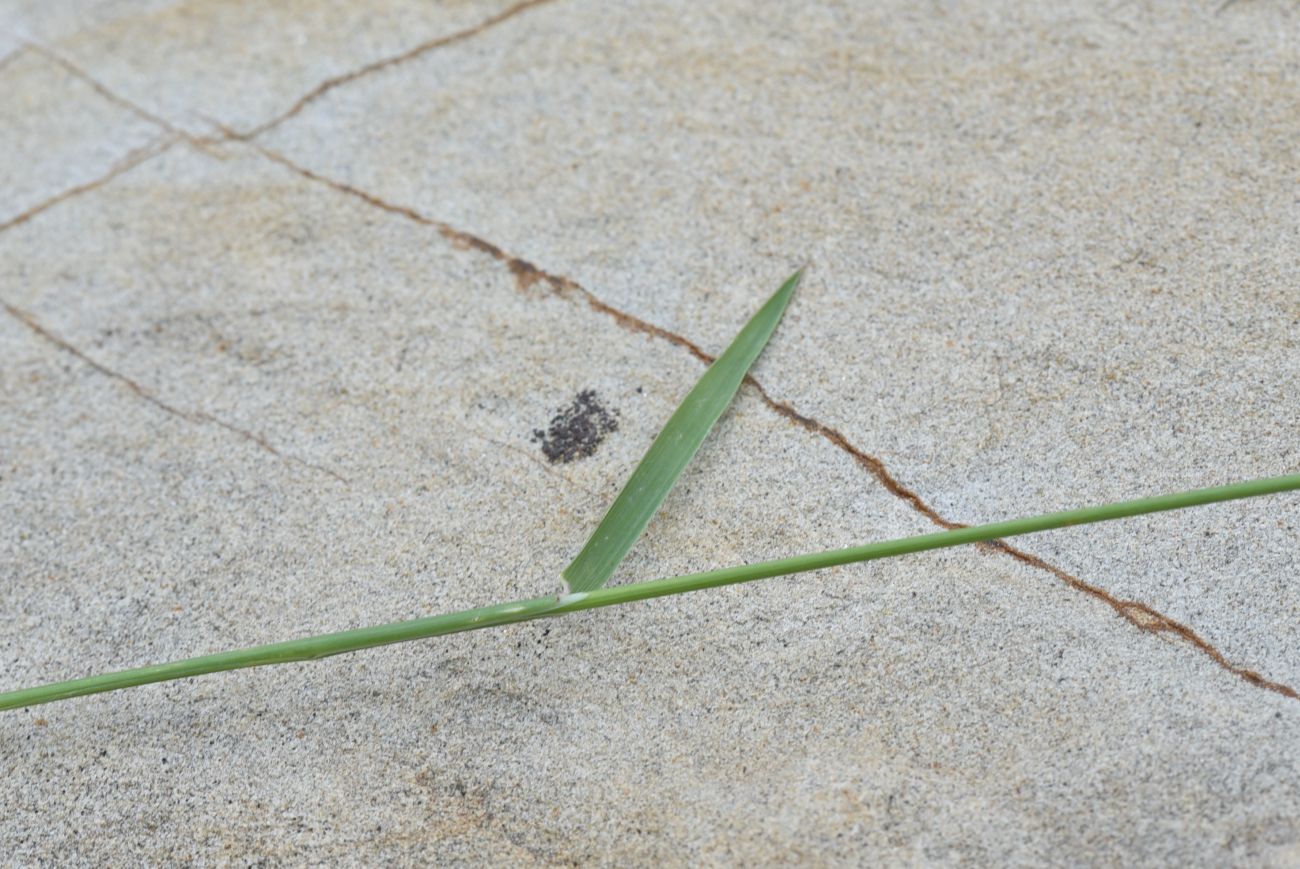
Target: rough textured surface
{"type": "Point", "coordinates": [260, 386]}
{"type": "Point", "coordinates": [59, 134]}
{"type": "Point", "coordinates": [238, 64]}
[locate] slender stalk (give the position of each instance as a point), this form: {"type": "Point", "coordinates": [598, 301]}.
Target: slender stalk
{"type": "Point", "coordinates": [325, 645]}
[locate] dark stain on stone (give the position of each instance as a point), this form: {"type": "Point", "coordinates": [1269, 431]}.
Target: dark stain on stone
{"type": "Point", "coordinates": [575, 431]}
{"type": "Point", "coordinates": [526, 274]}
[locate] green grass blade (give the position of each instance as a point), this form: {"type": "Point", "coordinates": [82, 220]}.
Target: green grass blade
{"type": "Point", "coordinates": [325, 645]}
{"type": "Point", "coordinates": [674, 447]}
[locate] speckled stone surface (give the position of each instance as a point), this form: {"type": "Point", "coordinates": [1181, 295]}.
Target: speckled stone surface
{"type": "Point", "coordinates": [259, 386]}
{"type": "Point", "coordinates": [59, 134]}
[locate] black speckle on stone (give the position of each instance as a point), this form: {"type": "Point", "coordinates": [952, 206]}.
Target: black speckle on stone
{"type": "Point", "coordinates": [575, 431]}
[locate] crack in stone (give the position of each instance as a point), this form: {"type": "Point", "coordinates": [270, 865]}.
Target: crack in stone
{"type": "Point", "coordinates": [127, 163]}
{"type": "Point", "coordinates": [111, 95]}
{"type": "Point", "coordinates": [12, 56]}
{"type": "Point", "coordinates": [1141, 615]}
{"type": "Point", "coordinates": [189, 416]}
{"type": "Point", "coordinates": [130, 161]}
{"type": "Point", "coordinates": [330, 84]}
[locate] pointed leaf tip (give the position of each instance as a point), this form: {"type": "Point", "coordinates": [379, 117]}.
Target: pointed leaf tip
{"type": "Point", "coordinates": [674, 447]}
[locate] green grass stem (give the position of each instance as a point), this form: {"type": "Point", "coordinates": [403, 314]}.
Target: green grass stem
{"type": "Point", "coordinates": [325, 645]}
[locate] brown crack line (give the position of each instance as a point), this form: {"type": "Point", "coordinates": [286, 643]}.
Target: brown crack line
{"type": "Point", "coordinates": [112, 96]}
{"type": "Point", "coordinates": [375, 66]}
{"type": "Point", "coordinates": [189, 416]}
{"type": "Point", "coordinates": [12, 56]}
{"type": "Point", "coordinates": [127, 163]}
{"type": "Point", "coordinates": [132, 158]}
{"type": "Point", "coordinates": [1140, 615]}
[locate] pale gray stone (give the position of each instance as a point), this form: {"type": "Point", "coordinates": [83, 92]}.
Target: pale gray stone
{"type": "Point", "coordinates": [256, 390]}
{"type": "Point", "coordinates": [58, 133]}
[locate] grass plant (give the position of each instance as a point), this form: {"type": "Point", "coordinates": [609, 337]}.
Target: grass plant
{"type": "Point", "coordinates": [626, 519]}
